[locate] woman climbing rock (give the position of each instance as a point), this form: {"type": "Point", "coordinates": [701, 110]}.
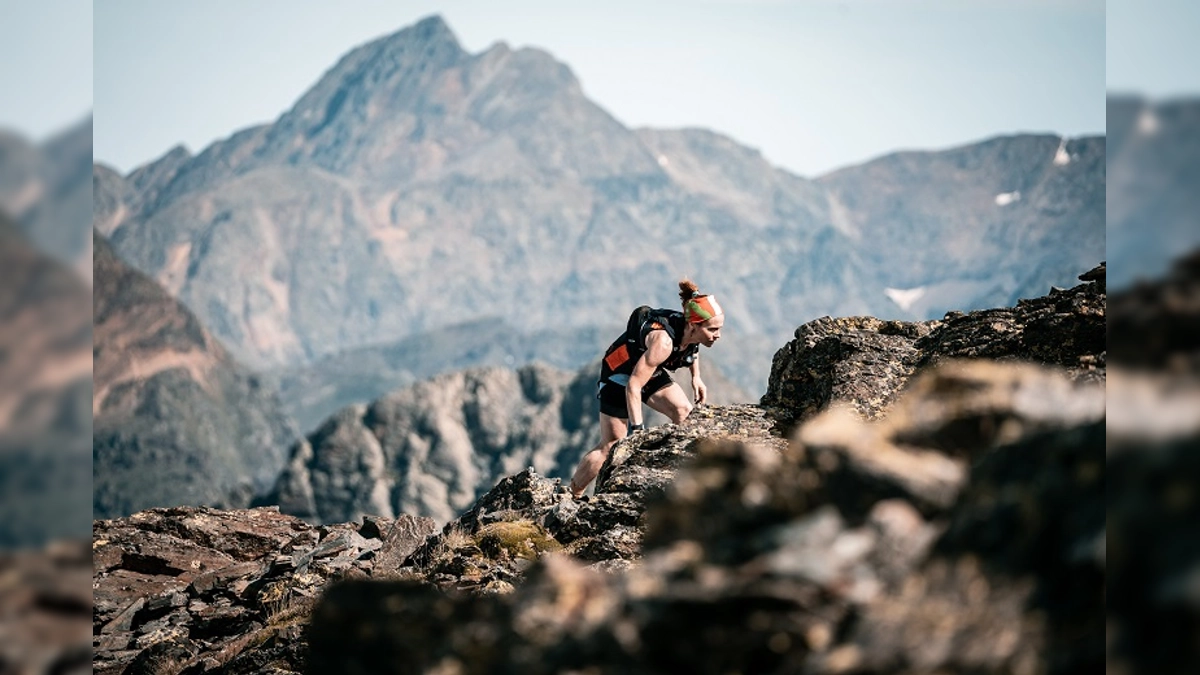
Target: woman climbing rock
{"type": "Point", "coordinates": [634, 371]}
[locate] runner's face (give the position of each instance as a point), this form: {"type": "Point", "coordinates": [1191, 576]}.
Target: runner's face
{"type": "Point", "coordinates": [710, 331]}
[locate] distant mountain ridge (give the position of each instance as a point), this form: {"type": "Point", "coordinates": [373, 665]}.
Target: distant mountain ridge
{"type": "Point", "coordinates": [1151, 201]}
{"type": "Point", "coordinates": [44, 188]}
{"type": "Point", "coordinates": [417, 186]}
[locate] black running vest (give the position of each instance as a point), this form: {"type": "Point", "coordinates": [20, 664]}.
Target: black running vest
{"type": "Point", "coordinates": [623, 354]}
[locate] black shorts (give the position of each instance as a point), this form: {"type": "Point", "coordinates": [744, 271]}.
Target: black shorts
{"type": "Point", "coordinates": [612, 395]}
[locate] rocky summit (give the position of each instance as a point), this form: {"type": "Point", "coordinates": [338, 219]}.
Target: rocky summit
{"type": "Point", "coordinates": [958, 526]}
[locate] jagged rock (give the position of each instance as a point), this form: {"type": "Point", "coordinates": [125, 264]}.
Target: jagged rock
{"type": "Point", "coordinates": [861, 360]}
{"type": "Point", "coordinates": [434, 448]}
{"type": "Point", "coordinates": [403, 537]}
{"type": "Point", "coordinates": [865, 362]}
{"type": "Point", "coordinates": [1065, 328]}
{"type": "Point", "coordinates": [198, 590]}
{"type": "Point", "coordinates": [636, 473]}
{"type": "Point", "coordinates": [45, 603]}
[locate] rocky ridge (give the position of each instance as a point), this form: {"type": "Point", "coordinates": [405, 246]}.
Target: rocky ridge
{"type": "Point", "coordinates": [866, 361]}
{"type": "Point", "coordinates": [218, 589]}
{"type": "Point", "coordinates": [963, 530]}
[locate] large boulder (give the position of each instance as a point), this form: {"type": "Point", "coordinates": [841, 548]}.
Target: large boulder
{"type": "Point", "coordinates": [865, 362]}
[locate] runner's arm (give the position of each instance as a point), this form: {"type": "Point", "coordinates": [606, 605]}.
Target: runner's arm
{"type": "Point", "coordinates": [698, 387]}
{"type": "Point", "coordinates": [658, 350]}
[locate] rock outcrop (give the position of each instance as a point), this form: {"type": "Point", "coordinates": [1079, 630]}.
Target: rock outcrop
{"type": "Point", "coordinates": [853, 550]}
{"type": "Point", "coordinates": [866, 362]}
{"type": "Point", "coordinates": [45, 607]}
{"type": "Point", "coordinates": [1152, 476]}
{"type": "Point", "coordinates": [225, 591]}
{"type": "Point", "coordinates": [175, 419]}
{"type": "Point", "coordinates": [435, 447]}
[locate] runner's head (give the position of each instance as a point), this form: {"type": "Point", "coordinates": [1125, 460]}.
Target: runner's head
{"type": "Point", "coordinates": [702, 313]}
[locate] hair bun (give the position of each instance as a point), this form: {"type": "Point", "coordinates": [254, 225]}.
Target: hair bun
{"type": "Point", "coordinates": [688, 290]}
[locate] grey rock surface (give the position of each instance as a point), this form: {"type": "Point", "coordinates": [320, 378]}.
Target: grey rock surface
{"type": "Point", "coordinates": [865, 362]}
{"type": "Point", "coordinates": [229, 591]}
{"type": "Point", "coordinates": [955, 531]}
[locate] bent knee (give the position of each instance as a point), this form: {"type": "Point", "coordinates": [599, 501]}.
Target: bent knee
{"type": "Point", "coordinates": [680, 412]}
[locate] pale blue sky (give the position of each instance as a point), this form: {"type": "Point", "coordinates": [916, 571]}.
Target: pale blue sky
{"type": "Point", "coordinates": [814, 84]}
{"type": "Point", "coordinates": [45, 64]}
{"type": "Point", "coordinates": [1153, 47]}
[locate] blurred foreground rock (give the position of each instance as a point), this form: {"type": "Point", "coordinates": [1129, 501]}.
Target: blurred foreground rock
{"type": "Point", "coordinates": [45, 599]}
{"type": "Point", "coordinates": [1153, 459]}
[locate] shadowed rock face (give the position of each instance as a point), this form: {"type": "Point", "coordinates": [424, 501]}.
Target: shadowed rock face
{"type": "Point", "coordinates": [175, 419]}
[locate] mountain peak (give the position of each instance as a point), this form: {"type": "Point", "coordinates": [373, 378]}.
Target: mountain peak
{"type": "Point", "coordinates": [430, 31]}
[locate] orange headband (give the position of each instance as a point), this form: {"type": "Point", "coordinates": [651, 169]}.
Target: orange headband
{"type": "Point", "coordinates": [701, 308]}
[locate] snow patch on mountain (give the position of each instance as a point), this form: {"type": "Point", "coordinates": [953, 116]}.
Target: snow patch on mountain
{"type": "Point", "coordinates": [1006, 198]}
{"type": "Point", "coordinates": [905, 297]}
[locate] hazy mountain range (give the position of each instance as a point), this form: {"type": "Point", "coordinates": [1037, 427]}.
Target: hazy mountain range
{"type": "Point", "coordinates": [175, 419]}
{"type": "Point", "coordinates": [1152, 201]}
{"type": "Point", "coordinates": [44, 188]}
{"type": "Point", "coordinates": [45, 385]}
{"type": "Point", "coordinates": [418, 187]}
